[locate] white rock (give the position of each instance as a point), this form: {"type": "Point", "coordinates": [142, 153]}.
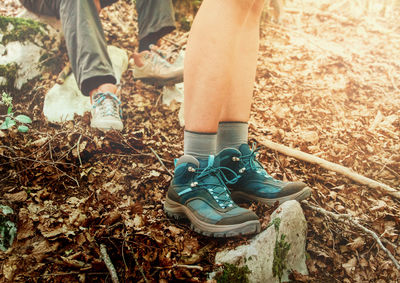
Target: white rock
{"type": "Point", "coordinates": [170, 93]}
{"type": "Point", "coordinates": [62, 102]}
{"type": "Point", "coordinates": [259, 254]}
{"type": "Point", "coordinates": [181, 115]}
{"type": "Point", "coordinates": [175, 92]}
{"type": "Point", "coordinates": [26, 56]}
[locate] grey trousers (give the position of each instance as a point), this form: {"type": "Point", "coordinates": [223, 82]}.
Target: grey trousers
{"type": "Point", "coordinates": [84, 35]}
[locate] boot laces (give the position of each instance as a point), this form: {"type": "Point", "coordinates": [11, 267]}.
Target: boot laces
{"type": "Point", "coordinates": [107, 104]}
{"type": "Point", "coordinates": [251, 164]}
{"type": "Point", "coordinates": [215, 186]}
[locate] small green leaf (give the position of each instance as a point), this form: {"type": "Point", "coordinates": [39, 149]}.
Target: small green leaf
{"type": "Point", "coordinates": [9, 110]}
{"type": "Point", "coordinates": [23, 128]}
{"type": "Point", "coordinates": [8, 123]}
{"type": "Point", "coordinates": [23, 119]}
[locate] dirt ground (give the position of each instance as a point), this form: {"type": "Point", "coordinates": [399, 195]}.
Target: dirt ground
{"type": "Point", "coordinates": [327, 84]}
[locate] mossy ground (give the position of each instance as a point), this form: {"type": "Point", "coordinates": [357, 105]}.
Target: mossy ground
{"type": "Point", "coordinates": [233, 274]}
{"type": "Point", "coordinates": [9, 72]}
{"type": "Point", "coordinates": [20, 29]}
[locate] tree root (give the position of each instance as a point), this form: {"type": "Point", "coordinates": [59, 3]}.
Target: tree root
{"type": "Point", "coordinates": [347, 219]}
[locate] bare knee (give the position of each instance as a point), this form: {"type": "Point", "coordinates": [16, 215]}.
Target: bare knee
{"type": "Point", "coordinates": [256, 9]}
{"type": "Point", "coordinates": [245, 9]}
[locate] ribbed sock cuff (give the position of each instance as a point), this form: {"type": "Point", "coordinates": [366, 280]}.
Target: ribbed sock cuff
{"type": "Point", "coordinates": [200, 145]}
{"type": "Point", "coordinates": [232, 134]}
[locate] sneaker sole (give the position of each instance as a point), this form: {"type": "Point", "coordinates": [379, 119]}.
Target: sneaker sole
{"type": "Point", "coordinates": [178, 211]}
{"type": "Point", "coordinates": [106, 126]}
{"type": "Point", "coordinates": [161, 82]}
{"type": "Point", "coordinates": [299, 196]}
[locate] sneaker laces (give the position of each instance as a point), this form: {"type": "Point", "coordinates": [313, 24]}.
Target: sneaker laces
{"type": "Point", "coordinates": [158, 63]}
{"type": "Point", "coordinates": [217, 189]}
{"type": "Point", "coordinates": [107, 104]}
{"type": "Point", "coordinates": [250, 163]}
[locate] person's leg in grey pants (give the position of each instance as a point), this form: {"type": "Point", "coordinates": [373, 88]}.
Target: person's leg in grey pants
{"type": "Point", "coordinates": [84, 38]}
{"type": "Point", "coordinates": [155, 19]}
{"type": "Point", "coordinates": [87, 52]}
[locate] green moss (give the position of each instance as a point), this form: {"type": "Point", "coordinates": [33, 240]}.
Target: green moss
{"type": "Point", "coordinates": [19, 29]}
{"type": "Point", "coordinates": [280, 251]}
{"type": "Point", "coordinates": [233, 274]}
{"type": "Point", "coordinates": [9, 72]}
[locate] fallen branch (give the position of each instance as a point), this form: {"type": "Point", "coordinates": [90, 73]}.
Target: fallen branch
{"type": "Point", "coordinates": [108, 263]}
{"type": "Point", "coordinates": [162, 163]}
{"type": "Point", "coordinates": [331, 166]}
{"type": "Point", "coordinates": [347, 219]}
{"type": "Point", "coordinates": [181, 266]}
{"type": "Point", "coordinates": [140, 269]}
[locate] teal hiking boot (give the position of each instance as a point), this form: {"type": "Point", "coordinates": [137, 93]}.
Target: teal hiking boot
{"type": "Point", "coordinates": [253, 182]}
{"type": "Point", "coordinates": [198, 193]}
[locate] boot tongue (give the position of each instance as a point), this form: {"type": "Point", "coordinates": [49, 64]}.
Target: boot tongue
{"type": "Point", "coordinates": [210, 164]}
{"type": "Point", "coordinates": [187, 159]}
{"type": "Point", "coordinates": [244, 149]}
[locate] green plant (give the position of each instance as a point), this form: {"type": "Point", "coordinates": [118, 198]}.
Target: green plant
{"type": "Point", "coordinates": [233, 274]}
{"type": "Point", "coordinates": [10, 120]}
{"type": "Point", "coordinates": [280, 251]}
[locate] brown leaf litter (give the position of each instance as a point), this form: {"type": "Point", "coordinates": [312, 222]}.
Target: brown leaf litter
{"type": "Point", "coordinates": [327, 84]}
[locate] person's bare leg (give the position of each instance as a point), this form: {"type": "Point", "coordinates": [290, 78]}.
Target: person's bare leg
{"type": "Point", "coordinates": [210, 63]}
{"type": "Point", "coordinates": [237, 107]}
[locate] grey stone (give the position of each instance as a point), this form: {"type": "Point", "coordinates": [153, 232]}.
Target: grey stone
{"type": "Point", "coordinates": [175, 92]}
{"type": "Point", "coordinates": [26, 53]}
{"type": "Point", "coordinates": [259, 254]}
{"type": "Point", "coordinates": [63, 101]}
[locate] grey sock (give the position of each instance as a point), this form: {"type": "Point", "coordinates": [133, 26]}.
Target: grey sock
{"type": "Point", "coordinates": [199, 145]}
{"type": "Point", "coordinates": [232, 134]}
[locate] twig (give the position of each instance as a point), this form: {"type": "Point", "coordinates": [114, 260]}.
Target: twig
{"type": "Point", "coordinates": [140, 269]}
{"type": "Point", "coordinates": [77, 150]}
{"type": "Point", "coordinates": [331, 166]}
{"type": "Point", "coordinates": [346, 218]}
{"type": "Point", "coordinates": [109, 264]}
{"type": "Point", "coordinates": [181, 266]}
{"type": "Point", "coordinates": [162, 163]}
{"type": "Point", "coordinates": [189, 266]}
{"type": "Point", "coordinates": [122, 251]}
{"type": "Point", "coordinates": [72, 273]}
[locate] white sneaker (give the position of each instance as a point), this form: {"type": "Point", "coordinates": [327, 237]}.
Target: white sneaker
{"type": "Point", "coordinates": [106, 112]}
{"type": "Point", "coordinates": [158, 71]}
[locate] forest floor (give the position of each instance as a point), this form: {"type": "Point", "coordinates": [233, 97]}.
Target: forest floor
{"type": "Point", "coordinates": [327, 84]}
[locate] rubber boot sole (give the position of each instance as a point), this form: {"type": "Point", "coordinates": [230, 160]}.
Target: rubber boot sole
{"type": "Point", "coordinates": [238, 196]}
{"type": "Point", "coordinates": [178, 211]}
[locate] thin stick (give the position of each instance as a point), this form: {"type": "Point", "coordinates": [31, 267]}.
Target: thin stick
{"type": "Point", "coordinates": [162, 163]}
{"type": "Point", "coordinates": [346, 218]}
{"type": "Point", "coordinates": [72, 273]}
{"type": "Point", "coordinates": [140, 269]}
{"type": "Point", "coordinates": [181, 266]}
{"type": "Point", "coordinates": [77, 150]}
{"type": "Point", "coordinates": [331, 166]}
{"type": "Point", "coordinates": [189, 266]}
{"type": "Point", "coordinates": [109, 264]}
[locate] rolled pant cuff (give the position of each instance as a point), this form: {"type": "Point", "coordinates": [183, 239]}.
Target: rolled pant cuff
{"type": "Point", "coordinates": [92, 83]}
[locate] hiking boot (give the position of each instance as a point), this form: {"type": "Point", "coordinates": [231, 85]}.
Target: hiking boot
{"type": "Point", "coordinates": [198, 193]}
{"type": "Point", "coordinates": [106, 112]}
{"type": "Point", "coordinates": [253, 182]}
{"type": "Point", "coordinates": [158, 71]}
